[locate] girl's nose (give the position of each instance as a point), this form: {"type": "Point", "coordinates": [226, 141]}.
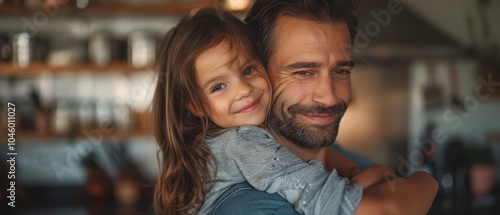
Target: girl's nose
{"type": "Point", "coordinates": [244, 89]}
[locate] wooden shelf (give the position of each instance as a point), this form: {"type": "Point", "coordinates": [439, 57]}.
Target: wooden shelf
{"type": "Point", "coordinates": [141, 124]}
{"type": "Point", "coordinates": [103, 8]}
{"type": "Point", "coordinates": [35, 69]}
{"type": "Point", "coordinates": [23, 137]}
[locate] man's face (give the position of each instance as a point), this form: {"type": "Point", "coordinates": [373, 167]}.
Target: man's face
{"type": "Point", "coordinates": [310, 72]}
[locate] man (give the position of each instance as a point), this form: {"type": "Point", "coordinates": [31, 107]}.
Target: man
{"type": "Point", "coordinates": [307, 52]}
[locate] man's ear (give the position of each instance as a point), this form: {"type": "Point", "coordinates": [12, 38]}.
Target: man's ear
{"type": "Point", "coordinates": [194, 110]}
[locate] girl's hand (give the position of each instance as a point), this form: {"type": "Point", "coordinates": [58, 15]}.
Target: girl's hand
{"type": "Point", "coordinates": [372, 175]}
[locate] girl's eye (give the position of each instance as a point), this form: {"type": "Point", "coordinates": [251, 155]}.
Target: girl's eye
{"type": "Point", "coordinates": [249, 70]}
{"type": "Point", "coordinates": [217, 87]}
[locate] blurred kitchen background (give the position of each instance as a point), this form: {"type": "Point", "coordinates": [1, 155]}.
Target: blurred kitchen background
{"type": "Point", "coordinates": [426, 96]}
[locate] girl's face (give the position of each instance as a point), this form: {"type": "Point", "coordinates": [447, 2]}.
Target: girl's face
{"type": "Point", "coordinates": [237, 89]}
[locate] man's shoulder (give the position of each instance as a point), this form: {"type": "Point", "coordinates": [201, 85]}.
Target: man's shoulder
{"type": "Point", "coordinates": [360, 160]}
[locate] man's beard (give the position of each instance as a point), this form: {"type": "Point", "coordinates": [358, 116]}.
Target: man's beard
{"type": "Point", "coordinates": [308, 136]}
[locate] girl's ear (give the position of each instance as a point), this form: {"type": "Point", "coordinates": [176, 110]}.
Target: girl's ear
{"type": "Point", "coordinates": [194, 110]}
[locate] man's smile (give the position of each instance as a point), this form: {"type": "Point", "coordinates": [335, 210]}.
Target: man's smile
{"type": "Point", "coordinates": [319, 119]}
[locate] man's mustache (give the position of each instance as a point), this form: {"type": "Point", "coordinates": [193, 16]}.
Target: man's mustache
{"type": "Point", "coordinates": [338, 109]}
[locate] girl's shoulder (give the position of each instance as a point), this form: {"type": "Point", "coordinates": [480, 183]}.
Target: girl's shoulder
{"type": "Point", "coordinates": [239, 134]}
{"type": "Point", "coordinates": [251, 132]}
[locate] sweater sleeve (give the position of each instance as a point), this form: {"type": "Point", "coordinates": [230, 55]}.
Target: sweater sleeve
{"type": "Point", "coordinates": [270, 167]}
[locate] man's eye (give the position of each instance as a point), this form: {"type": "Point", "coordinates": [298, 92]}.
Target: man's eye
{"type": "Point", "coordinates": [249, 70]}
{"type": "Point", "coordinates": [217, 87]}
{"type": "Point", "coordinates": [302, 73]}
{"type": "Point", "coordinates": [342, 73]}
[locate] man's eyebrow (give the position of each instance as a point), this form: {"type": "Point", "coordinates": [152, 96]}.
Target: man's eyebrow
{"type": "Point", "coordinates": [304, 64]}
{"type": "Point", "coordinates": [348, 63]}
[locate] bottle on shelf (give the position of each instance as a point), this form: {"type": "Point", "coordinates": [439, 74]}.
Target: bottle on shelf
{"type": "Point", "coordinates": [128, 191]}
{"type": "Point", "coordinates": [21, 49]}
{"type": "Point", "coordinates": [99, 185]}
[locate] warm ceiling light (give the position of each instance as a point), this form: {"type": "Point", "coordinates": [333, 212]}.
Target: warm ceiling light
{"type": "Point", "coordinates": [237, 4]}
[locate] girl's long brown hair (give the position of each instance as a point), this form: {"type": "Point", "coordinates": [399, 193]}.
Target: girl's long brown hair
{"type": "Point", "coordinates": [186, 163]}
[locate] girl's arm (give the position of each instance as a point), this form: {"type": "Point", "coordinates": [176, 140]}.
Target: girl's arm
{"type": "Point", "coordinates": [268, 166]}
{"type": "Point", "coordinates": [344, 166]}
{"type": "Point", "coordinates": [383, 190]}
{"type": "Point", "coordinates": [407, 195]}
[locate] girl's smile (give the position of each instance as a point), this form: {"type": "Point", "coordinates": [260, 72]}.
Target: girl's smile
{"type": "Point", "coordinates": [250, 107]}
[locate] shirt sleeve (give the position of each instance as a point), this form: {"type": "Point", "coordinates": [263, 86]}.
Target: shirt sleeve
{"type": "Point", "coordinates": [270, 167]}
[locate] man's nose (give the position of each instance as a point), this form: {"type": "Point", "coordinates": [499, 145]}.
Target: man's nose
{"type": "Point", "coordinates": [324, 92]}
{"type": "Point", "coordinates": [244, 89]}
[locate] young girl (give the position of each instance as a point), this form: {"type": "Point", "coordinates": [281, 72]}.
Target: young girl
{"type": "Point", "coordinates": [212, 92]}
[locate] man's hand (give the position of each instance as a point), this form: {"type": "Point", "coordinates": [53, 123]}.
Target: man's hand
{"type": "Point", "coordinates": [371, 176]}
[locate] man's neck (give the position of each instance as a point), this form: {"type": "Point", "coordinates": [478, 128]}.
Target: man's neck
{"type": "Point", "coordinates": [303, 153]}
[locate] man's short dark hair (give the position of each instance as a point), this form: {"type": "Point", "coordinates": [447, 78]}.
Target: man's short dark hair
{"type": "Point", "coordinates": [264, 14]}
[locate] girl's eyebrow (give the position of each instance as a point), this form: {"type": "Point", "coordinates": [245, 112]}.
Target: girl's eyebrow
{"type": "Point", "coordinates": [248, 61]}
{"type": "Point", "coordinates": [212, 80]}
